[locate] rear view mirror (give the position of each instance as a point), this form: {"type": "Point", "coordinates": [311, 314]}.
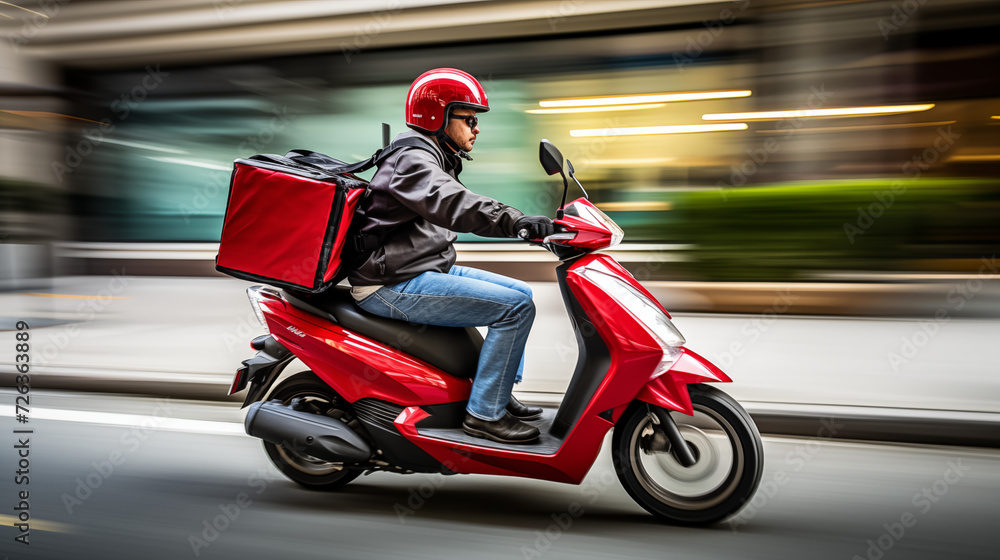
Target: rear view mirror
{"type": "Point", "coordinates": [551, 158]}
{"type": "Point", "coordinates": [552, 162]}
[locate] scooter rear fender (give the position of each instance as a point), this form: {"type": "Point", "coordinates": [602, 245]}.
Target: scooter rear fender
{"type": "Point", "coordinates": [669, 389]}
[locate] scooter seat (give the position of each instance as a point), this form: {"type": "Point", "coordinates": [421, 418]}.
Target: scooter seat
{"type": "Point", "coordinates": [453, 350]}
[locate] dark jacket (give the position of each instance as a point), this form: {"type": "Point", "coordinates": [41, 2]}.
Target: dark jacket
{"type": "Point", "coordinates": [415, 203]}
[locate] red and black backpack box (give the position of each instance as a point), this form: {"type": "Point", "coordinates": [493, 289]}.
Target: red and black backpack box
{"type": "Point", "coordinates": [286, 222]}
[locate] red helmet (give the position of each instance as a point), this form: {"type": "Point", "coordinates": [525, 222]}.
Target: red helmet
{"type": "Point", "coordinates": [436, 91]}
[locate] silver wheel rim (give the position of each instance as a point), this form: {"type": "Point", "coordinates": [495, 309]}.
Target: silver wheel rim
{"type": "Point", "coordinates": [300, 461]}
{"type": "Point", "coordinates": [710, 481]}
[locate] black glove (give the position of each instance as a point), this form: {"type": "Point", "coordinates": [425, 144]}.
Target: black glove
{"type": "Point", "coordinates": [533, 227]}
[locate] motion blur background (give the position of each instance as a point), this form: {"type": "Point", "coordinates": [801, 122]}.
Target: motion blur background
{"type": "Point", "coordinates": [812, 185]}
{"type": "Point", "coordinates": [121, 120]}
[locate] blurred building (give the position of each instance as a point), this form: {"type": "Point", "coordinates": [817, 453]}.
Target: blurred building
{"type": "Point", "coordinates": [775, 139]}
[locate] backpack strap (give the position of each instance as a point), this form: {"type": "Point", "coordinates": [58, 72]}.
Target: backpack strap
{"type": "Point", "coordinates": [316, 159]}
{"type": "Point", "coordinates": [330, 165]}
{"type": "Point", "coordinates": [281, 160]}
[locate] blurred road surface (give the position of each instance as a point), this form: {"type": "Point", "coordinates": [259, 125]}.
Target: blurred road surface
{"type": "Point", "coordinates": [124, 477]}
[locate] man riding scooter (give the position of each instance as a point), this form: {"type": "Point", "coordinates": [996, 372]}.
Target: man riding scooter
{"type": "Point", "coordinates": [416, 203]}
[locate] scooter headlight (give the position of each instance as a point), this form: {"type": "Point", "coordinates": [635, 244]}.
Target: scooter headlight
{"type": "Point", "coordinates": [639, 305]}
{"type": "Point", "coordinates": [617, 234]}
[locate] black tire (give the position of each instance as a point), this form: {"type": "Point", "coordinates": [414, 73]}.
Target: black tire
{"type": "Point", "coordinates": [726, 444]}
{"type": "Point", "coordinates": [308, 471]}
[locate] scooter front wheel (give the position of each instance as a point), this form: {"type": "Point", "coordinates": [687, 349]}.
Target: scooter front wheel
{"type": "Point", "coordinates": [725, 443]}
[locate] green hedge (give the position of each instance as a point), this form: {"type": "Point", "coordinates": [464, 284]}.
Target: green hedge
{"type": "Point", "coordinates": [777, 233]}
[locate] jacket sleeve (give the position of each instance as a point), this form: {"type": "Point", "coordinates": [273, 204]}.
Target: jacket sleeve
{"type": "Point", "coordinates": [419, 183]}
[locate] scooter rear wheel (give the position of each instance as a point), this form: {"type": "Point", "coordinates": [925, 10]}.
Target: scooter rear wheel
{"type": "Point", "coordinates": [726, 445]}
{"type": "Point", "coordinates": [308, 471]}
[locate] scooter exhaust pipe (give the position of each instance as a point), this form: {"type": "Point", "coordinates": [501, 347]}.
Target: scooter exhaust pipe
{"type": "Point", "coordinates": [320, 436]}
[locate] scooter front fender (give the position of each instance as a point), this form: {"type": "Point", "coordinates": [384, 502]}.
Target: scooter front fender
{"type": "Point", "coordinates": [669, 389]}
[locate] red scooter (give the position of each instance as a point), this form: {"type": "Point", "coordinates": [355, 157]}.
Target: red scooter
{"type": "Point", "coordinates": [387, 395]}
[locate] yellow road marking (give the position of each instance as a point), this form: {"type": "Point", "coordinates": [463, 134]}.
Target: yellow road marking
{"type": "Point", "coordinates": [44, 114]}
{"type": "Point", "coordinates": [36, 524]}
{"type": "Point", "coordinates": [23, 8]}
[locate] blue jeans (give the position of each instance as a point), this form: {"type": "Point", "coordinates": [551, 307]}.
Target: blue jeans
{"type": "Point", "coordinates": [466, 297]}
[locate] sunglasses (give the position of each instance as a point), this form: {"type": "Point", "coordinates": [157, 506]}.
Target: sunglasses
{"type": "Point", "coordinates": [471, 120]}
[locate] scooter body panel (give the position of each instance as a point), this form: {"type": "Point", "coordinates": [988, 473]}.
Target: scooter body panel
{"type": "Point", "coordinates": [357, 367]}
{"type": "Point", "coordinates": [569, 464]}
{"type": "Point", "coordinates": [631, 342]}
{"type": "Point", "coordinates": [670, 391]}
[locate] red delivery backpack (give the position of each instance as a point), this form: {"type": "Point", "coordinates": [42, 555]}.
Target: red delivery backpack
{"type": "Point", "coordinates": [288, 218]}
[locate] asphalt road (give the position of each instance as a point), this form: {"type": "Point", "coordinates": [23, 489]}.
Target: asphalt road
{"type": "Point", "coordinates": [125, 477]}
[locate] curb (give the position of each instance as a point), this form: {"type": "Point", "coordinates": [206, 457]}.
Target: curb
{"type": "Point", "coordinates": [899, 425]}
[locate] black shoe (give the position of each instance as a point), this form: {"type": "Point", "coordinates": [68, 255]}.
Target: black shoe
{"type": "Point", "coordinates": [521, 411]}
{"type": "Point", "coordinates": [505, 430]}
